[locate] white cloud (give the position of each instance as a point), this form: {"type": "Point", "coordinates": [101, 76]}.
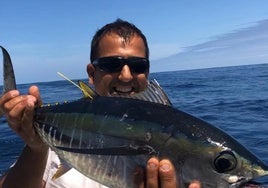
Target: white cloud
{"type": "Point", "coordinates": [158, 51]}
{"type": "Point", "coordinates": [244, 46]}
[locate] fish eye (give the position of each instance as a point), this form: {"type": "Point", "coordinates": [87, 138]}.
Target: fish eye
{"type": "Point", "coordinates": [225, 161]}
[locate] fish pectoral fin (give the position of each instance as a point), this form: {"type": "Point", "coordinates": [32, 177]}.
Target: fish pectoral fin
{"type": "Point", "coordinates": [122, 150]}
{"type": "Point", "coordinates": [62, 169]}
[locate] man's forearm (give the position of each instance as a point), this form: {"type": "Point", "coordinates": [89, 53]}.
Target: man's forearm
{"type": "Point", "coordinates": [28, 170]}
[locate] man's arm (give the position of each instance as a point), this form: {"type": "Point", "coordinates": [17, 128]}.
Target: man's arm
{"type": "Point", "coordinates": [28, 170]}
{"type": "Point", "coordinates": [19, 110]}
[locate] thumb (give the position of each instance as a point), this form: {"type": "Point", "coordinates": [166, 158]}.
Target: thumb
{"type": "Point", "coordinates": [33, 90]}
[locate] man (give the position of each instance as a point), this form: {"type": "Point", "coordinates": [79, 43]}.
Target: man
{"type": "Point", "coordinates": [37, 163]}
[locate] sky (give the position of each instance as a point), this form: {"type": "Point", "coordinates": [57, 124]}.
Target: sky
{"type": "Point", "coordinates": [44, 37]}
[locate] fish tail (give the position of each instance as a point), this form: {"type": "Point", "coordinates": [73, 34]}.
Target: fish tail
{"type": "Point", "coordinates": [9, 81]}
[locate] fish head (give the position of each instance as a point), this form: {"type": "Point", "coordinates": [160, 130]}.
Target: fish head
{"type": "Point", "coordinates": [221, 167]}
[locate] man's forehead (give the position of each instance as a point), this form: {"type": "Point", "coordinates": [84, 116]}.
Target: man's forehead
{"type": "Point", "coordinates": [112, 36]}
{"type": "Point", "coordinates": [123, 38]}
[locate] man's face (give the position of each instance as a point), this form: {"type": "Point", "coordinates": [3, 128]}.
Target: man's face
{"type": "Point", "coordinates": [123, 82]}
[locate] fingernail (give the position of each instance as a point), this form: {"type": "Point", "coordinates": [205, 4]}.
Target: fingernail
{"type": "Point", "coordinates": [152, 165]}
{"type": "Point", "coordinates": [30, 102]}
{"type": "Point", "coordinates": [195, 184]}
{"type": "Point", "coordinates": [31, 98]}
{"type": "Point", "coordinates": [165, 167]}
{"type": "Point", "coordinates": [14, 93]}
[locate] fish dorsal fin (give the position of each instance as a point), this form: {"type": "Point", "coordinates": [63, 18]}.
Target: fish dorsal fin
{"type": "Point", "coordinates": [86, 90]}
{"type": "Point", "coordinates": [9, 76]}
{"type": "Point", "coordinates": [153, 93]}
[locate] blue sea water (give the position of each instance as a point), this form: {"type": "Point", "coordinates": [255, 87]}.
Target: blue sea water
{"type": "Point", "coordinates": [234, 99]}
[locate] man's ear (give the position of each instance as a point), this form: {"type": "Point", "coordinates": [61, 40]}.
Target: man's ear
{"type": "Point", "coordinates": [90, 72]}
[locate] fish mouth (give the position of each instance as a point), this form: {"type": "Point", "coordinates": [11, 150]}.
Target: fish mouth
{"type": "Point", "coordinates": [250, 184]}
{"type": "Point", "coordinates": [253, 184]}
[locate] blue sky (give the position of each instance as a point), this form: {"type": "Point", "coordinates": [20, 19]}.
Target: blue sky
{"type": "Point", "coordinates": [44, 37]}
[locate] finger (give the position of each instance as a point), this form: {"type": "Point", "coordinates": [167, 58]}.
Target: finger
{"type": "Point", "coordinates": [139, 177]}
{"type": "Point", "coordinates": [5, 98]}
{"type": "Point", "coordinates": [9, 95]}
{"type": "Point", "coordinates": [15, 114]}
{"type": "Point", "coordinates": [195, 184]}
{"type": "Point", "coordinates": [167, 174]}
{"type": "Point", "coordinates": [22, 122]}
{"type": "Point", "coordinates": [18, 104]}
{"type": "Point", "coordinates": [152, 173]}
{"type": "Point", "coordinates": [10, 105]}
{"type": "Point", "coordinates": [15, 109]}
{"type": "Point", "coordinates": [33, 90]}
{"type": "Point", "coordinates": [27, 117]}
{"type": "Point", "coordinates": [29, 133]}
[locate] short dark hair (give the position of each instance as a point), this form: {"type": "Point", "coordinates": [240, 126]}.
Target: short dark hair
{"type": "Point", "coordinates": [123, 28]}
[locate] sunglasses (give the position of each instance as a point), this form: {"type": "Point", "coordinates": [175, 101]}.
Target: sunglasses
{"type": "Point", "coordinates": [113, 64]}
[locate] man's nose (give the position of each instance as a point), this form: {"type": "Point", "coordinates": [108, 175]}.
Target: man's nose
{"type": "Point", "coordinates": [125, 74]}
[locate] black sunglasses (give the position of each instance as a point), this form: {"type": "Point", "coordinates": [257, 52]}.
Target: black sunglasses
{"type": "Point", "coordinates": [113, 64]}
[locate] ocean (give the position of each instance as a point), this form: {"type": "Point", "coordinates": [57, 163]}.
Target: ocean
{"type": "Point", "coordinates": [234, 99]}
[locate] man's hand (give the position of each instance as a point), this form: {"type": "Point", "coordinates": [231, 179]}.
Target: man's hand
{"type": "Point", "coordinates": [19, 110]}
{"type": "Point", "coordinates": [159, 174]}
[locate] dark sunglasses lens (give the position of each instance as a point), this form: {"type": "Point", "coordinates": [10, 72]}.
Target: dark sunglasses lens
{"type": "Point", "coordinates": [110, 65]}
{"type": "Point", "coordinates": [115, 64]}
{"type": "Point", "coordinates": [139, 66]}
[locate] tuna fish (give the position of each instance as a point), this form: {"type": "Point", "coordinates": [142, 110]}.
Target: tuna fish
{"type": "Point", "coordinates": [106, 138]}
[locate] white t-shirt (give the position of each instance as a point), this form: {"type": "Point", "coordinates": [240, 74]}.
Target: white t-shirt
{"type": "Point", "coordinates": [71, 179]}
